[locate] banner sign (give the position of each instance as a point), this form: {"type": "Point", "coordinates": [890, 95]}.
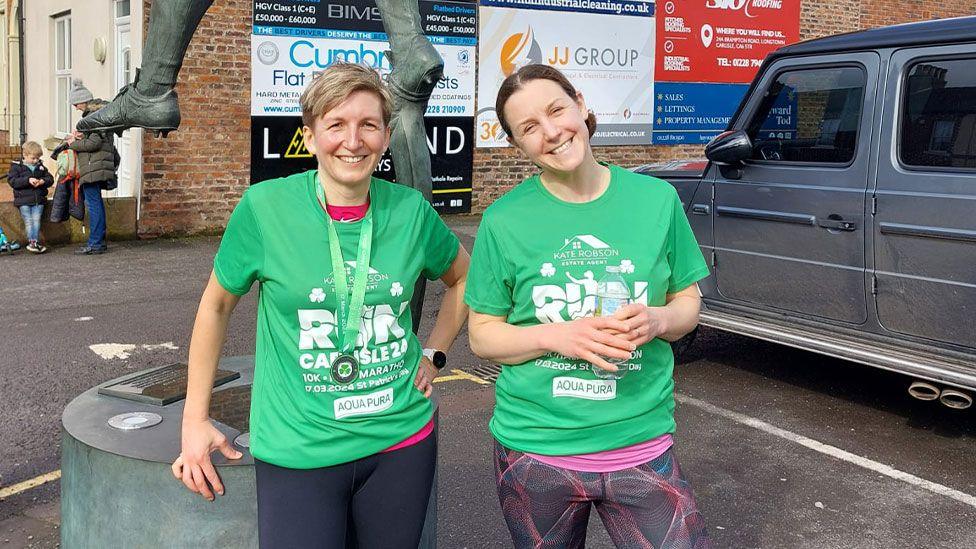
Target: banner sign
{"type": "Point", "coordinates": [295, 40]}
{"type": "Point", "coordinates": [693, 112]}
{"type": "Point", "coordinates": [702, 42]}
{"type": "Point", "coordinates": [722, 40]}
{"type": "Point", "coordinates": [281, 149]}
{"type": "Point", "coordinates": [604, 47]}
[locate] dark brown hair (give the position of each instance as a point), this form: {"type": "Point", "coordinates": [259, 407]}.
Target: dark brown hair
{"type": "Point", "coordinates": [518, 79]}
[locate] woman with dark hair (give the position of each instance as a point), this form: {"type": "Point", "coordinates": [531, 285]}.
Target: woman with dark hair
{"type": "Point", "coordinates": [571, 429]}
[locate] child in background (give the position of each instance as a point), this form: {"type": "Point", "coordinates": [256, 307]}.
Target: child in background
{"type": "Point", "coordinates": [30, 181]}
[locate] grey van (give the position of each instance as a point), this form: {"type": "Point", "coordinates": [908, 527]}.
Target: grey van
{"type": "Point", "coordinates": [838, 212]}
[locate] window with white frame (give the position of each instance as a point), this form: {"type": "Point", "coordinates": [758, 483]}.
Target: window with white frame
{"type": "Point", "coordinates": [62, 74]}
{"type": "Point", "coordinates": [124, 50]}
{"type": "Point", "coordinates": [122, 8]}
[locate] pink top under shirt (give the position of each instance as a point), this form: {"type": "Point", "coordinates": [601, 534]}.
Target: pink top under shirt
{"type": "Point", "coordinates": [610, 460]}
{"type": "Point", "coordinates": [348, 213]}
{"type": "Point", "coordinates": [355, 213]}
{"type": "Point", "coordinates": [415, 438]}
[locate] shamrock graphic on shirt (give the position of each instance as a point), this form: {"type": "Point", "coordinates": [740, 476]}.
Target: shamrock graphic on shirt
{"type": "Point", "coordinates": [317, 295]}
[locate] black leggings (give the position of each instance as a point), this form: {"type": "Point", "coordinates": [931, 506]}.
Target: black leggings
{"type": "Point", "coordinates": [376, 501]}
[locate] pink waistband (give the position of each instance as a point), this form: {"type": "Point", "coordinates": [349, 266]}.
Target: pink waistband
{"type": "Point", "coordinates": [610, 460]}
{"type": "Point", "coordinates": [420, 435]}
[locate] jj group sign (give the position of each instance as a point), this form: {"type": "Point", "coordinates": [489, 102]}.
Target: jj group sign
{"type": "Point", "coordinates": [293, 41]}
{"type": "Point", "coordinates": [669, 72]}
{"type": "Point", "coordinates": [606, 48]}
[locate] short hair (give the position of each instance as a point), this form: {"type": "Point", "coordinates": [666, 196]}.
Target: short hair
{"type": "Point", "coordinates": [518, 79]}
{"type": "Point", "coordinates": [336, 83]}
{"type": "Point", "coordinates": [32, 148]}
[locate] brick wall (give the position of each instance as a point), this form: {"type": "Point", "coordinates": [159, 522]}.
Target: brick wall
{"type": "Point", "coordinates": [7, 155]}
{"type": "Point", "coordinates": [194, 178]}
{"type": "Point", "coordinates": [232, 407]}
{"type": "Point", "coordinates": [878, 13]}
{"type": "Point", "coordinates": [825, 17]}
{"type": "Point", "coordinates": [497, 170]}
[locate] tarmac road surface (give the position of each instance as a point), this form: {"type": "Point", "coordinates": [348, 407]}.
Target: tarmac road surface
{"type": "Point", "coordinates": [784, 448]}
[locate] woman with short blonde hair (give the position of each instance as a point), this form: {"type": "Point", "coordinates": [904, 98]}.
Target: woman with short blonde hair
{"type": "Point", "coordinates": [341, 422]}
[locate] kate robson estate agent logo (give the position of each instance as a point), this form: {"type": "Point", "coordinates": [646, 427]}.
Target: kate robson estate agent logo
{"type": "Point", "coordinates": [584, 249]}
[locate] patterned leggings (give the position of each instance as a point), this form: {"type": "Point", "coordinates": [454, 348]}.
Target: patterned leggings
{"type": "Point", "coordinates": [648, 506]}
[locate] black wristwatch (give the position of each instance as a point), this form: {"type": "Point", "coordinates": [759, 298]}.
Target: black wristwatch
{"type": "Point", "coordinates": [438, 358]}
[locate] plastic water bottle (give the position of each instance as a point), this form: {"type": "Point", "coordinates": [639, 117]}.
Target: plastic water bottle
{"type": "Point", "coordinates": [612, 293]}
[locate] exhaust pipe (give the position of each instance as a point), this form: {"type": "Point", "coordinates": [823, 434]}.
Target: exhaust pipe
{"type": "Point", "coordinates": [924, 390]}
{"type": "Point", "coordinates": [955, 399]}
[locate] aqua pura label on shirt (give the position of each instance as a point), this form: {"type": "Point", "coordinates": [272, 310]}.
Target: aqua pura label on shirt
{"type": "Point", "coordinates": [363, 404]}
{"type": "Point", "coordinates": [590, 389]}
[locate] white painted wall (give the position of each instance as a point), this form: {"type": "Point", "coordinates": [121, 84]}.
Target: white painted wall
{"type": "Point", "coordinates": [90, 19]}
{"type": "Point", "coordinates": [7, 88]}
{"type": "Point", "coordinates": [9, 72]}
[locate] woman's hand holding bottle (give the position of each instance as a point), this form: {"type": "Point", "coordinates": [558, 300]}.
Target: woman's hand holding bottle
{"type": "Point", "coordinates": [643, 323]}
{"type": "Point", "coordinates": [593, 339]}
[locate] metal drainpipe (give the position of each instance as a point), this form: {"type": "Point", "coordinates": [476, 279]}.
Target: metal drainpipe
{"type": "Point", "coordinates": [23, 80]}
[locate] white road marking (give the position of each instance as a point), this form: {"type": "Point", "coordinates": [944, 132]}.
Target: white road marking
{"type": "Point", "coordinates": [832, 451]}
{"type": "Point", "coordinates": [168, 345]}
{"type": "Point", "coordinates": [122, 351]}
{"type": "Point", "coordinates": [109, 351]}
{"type": "Point", "coordinates": [84, 318]}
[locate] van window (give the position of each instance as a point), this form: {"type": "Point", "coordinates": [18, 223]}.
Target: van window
{"type": "Point", "coordinates": [809, 115]}
{"type": "Point", "coordinates": [938, 126]}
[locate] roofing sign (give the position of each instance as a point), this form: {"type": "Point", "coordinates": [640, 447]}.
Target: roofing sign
{"type": "Point", "coordinates": [702, 42]}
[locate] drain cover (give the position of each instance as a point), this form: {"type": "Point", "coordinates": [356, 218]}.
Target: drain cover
{"type": "Point", "coordinates": [487, 372]}
{"type": "Point", "coordinates": [132, 421]}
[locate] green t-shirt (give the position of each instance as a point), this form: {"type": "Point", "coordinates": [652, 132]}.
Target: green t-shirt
{"type": "Point", "coordinates": [300, 417]}
{"type": "Point", "coordinates": [538, 259]}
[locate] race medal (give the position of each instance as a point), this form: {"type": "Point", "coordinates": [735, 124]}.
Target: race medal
{"type": "Point", "coordinates": [345, 369]}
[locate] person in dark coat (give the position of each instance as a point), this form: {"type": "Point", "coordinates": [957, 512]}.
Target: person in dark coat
{"type": "Point", "coordinates": [30, 181]}
{"type": "Point", "coordinates": [97, 163]}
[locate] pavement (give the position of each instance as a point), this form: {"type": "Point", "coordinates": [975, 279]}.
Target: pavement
{"type": "Point", "coordinates": [784, 448]}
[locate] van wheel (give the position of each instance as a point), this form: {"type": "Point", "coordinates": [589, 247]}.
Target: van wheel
{"type": "Point", "coordinates": [680, 348]}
